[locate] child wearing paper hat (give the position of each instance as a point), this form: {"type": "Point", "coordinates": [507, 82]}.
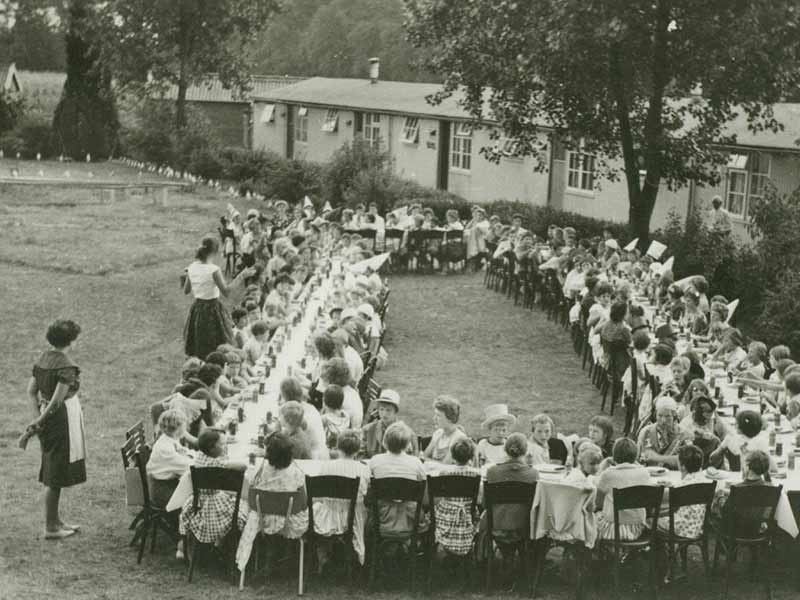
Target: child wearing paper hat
{"type": "Point", "coordinates": [498, 422]}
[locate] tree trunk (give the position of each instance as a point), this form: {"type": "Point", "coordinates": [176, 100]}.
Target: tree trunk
{"type": "Point", "coordinates": [180, 104]}
{"type": "Point", "coordinates": [640, 213]}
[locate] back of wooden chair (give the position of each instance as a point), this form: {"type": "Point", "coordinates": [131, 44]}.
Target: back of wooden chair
{"type": "Point", "coordinates": [748, 508]}
{"type": "Point", "coordinates": [334, 487]}
{"type": "Point", "coordinates": [281, 504]}
{"type": "Point", "coordinates": [132, 445]}
{"type": "Point", "coordinates": [397, 489]}
{"type": "Point", "coordinates": [691, 495]}
{"type": "Point", "coordinates": [217, 479]}
{"type": "Point", "coordinates": [645, 497]}
{"type": "Point", "coordinates": [137, 432]}
{"type": "Point", "coordinates": [453, 486]}
{"type": "Point", "coordinates": [504, 493]}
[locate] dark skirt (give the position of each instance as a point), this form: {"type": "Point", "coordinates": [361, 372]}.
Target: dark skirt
{"type": "Point", "coordinates": [63, 447]}
{"type": "Point", "coordinates": [207, 327]}
{"type": "Point", "coordinates": [161, 491]}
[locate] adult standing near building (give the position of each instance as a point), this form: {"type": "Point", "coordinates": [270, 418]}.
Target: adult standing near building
{"type": "Point", "coordinates": [209, 323]}
{"type": "Point", "coordinates": [720, 218]}
{"type": "Point", "coordinates": [53, 392]}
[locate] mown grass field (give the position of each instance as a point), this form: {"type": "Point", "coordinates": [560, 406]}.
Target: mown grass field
{"type": "Point", "coordinates": [114, 268]}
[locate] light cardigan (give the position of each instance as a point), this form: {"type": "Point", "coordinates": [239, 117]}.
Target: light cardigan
{"type": "Point", "coordinates": [168, 459]}
{"type": "Point", "coordinates": [621, 476]}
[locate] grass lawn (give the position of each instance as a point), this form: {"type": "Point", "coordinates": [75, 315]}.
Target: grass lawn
{"type": "Point", "coordinates": [114, 268]}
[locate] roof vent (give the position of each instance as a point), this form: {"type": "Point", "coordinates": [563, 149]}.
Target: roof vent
{"type": "Point", "coordinates": [374, 69]}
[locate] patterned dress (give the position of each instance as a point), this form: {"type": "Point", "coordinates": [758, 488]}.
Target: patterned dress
{"type": "Point", "coordinates": [688, 519]}
{"type": "Point", "coordinates": [456, 526]}
{"type": "Point", "coordinates": [62, 435]}
{"type": "Point", "coordinates": [214, 515]}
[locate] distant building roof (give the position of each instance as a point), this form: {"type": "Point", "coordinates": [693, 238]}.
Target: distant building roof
{"type": "Point", "coordinates": [384, 96]}
{"type": "Point", "coordinates": [785, 113]}
{"type": "Point", "coordinates": [212, 90]}
{"type": "Point", "coordinates": [9, 82]}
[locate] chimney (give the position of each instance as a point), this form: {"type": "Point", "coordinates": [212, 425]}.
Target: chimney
{"type": "Point", "coordinates": [374, 69]}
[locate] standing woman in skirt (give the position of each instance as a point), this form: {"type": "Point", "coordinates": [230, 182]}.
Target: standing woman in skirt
{"type": "Point", "coordinates": [209, 323]}
{"type": "Point", "coordinates": [53, 391]}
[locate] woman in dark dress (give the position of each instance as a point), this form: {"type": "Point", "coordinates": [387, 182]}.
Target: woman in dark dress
{"type": "Point", "coordinates": [209, 323]}
{"type": "Point", "coordinates": [53, 391]}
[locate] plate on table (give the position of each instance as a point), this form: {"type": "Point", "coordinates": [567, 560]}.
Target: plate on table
{"type": "Point", "coordinates": [656, 471]}
{"type": "Point", "coordinates": [751, 400]}
{"type": "Point", "coordinates": [716, 474]}
{"type": "Point", "coordinates": [545, 468]}
{"type": "Point", "coordinates": [786, 429]}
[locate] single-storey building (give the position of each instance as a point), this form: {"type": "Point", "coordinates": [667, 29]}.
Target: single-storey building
{"type": "Point", "coordinates": [436, 146]}
{"type": "Point", "coordinates": [229, 113]}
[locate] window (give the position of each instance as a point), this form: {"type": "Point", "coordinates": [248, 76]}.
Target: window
{"type": "Point", "coordinates": [580, 172]}
{"type": "Point", "coordinates": [331, 121]}
{"type": "Point", "coordinates": [268, 114]}
{"type": "Point", "coordinates": [748, 175]}
{"type": "Point", "coordinates": [759, 174]}
{"type": "Point", "coordinates": [411, 130]}
{"type": "Point", "coordinates": [372, 129]}
{"type": "Point", "coordinates": [509, 147]}
{"type": "Point", "coordinates": [301, 125]}
{"type": "Point", "coordinates": [461, 147]}
{"type": "Point", "coordinates": [737, 191]}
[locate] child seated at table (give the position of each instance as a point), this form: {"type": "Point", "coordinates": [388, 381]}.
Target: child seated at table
{"type": "Point", "coordinates": [241, 331]}
{"type": "Point", "coordinates": [455, 524]}
{"type": "Point", "coordinates": [234, 371]}
{"type": "Point", "coordinates": [588, 457]}
{"type": "Point", "coordinates": [748, 437]}
{"type": "Point", "coordinates": [254, 347]}
{"type": "Point", "coordinates": [212, 520]}
{"type": "Point", "coordinates": [688, 519]}
{"type": "Point", "coordinates": [498, 421]}
{"type": "Point", "coordinates": [544, 447]}
{"type": "Point", "coordinates": [334, 419]}
{"type": "Point", "coordinates": [625, 472]}
{"type": "Point", "coordinates": [755, 471]}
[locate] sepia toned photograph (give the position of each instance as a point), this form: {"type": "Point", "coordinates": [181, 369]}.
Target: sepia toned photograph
{"type": "Point", "coordinates": [384, 299]}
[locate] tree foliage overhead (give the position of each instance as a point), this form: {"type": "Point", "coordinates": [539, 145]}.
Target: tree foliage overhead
{"type": "Point", "coordinates": [31, 35]}
{"type": "Point", "coordinates": [650, 82]}
{"type": "Point", "coordinates": [335, 38]}
{"type": "Point", "coordinates": [85, 120]}
{"type": "Point", "coordinates": [151, 44]}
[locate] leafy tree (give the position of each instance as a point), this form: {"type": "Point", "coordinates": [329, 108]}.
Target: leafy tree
{"type": "Point", "coordinates": [85, 120]}
{"type": "Point", "coordinates": [650, 82]}
{"type": "Point", "coordinates": [12, 108]}
{"type": "Point", "coordinates": [346, 164]}
{"type": "Point", "coordinates": [34, 41]}
{"type": "Point", "coordinates": [151, 44]}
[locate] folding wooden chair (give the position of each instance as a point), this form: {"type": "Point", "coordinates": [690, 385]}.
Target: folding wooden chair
{"type": "Point", "coordinates": [285, 504]}
{"type": "Point", "coordinates": [648, 498]}
{"type": "Point", "coordinates": [451, 486]}
{"type": "Point", "coordinates": [212, 479]}
{"type": "Point", "coordinates": [326, 487]}
{"type": "Point", "coordinates": [505, 493]}
{"type": "Point", "coordinates": [395, 490]}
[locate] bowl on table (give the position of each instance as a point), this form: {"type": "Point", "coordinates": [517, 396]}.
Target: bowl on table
{"type": "Point", "coordinates": [656, 471]}
{"type": "Point", "coordinates": [716, 474]}
{"type": "Point", "coordinates": [550, 469]}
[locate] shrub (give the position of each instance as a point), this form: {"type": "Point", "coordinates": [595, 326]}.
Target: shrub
{"type": "Point", "coordinates": [28, 138]}
{"type": "Point", "coordinates": [780, 315]}
{"type": "Point", "coordinates": [340, 173]}
{"type": "Point", "coordinates": [12, 108]}
{"type": "Point", "coordinates": [206, 163]}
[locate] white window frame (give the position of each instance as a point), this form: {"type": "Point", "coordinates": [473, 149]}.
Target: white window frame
{"type": "Point", "coordinates": [580, 176]}
{"type": "Point", "coordinates": [461, 147]}
{"type": "Point", "coordinates": [411, 130]}
{"type": "Point", "coordinates": [268, 114]}
{"type": "Point", "coordinates": [754, 181]}
{"type": "Point", "coordinates": [331, 123]}
{"type": "Point", "coordinates": [372, 129]}
{"type": "Point", "coordinates": [301, 125]}
{"type": "Point", "coordinates": [731, 194]}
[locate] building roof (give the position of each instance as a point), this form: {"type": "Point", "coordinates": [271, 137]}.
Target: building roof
{"type": "Point", "coordinates": [407, 98]}
{"type": "Point", "coordinates": [8, 78]}
{"type": "Point", "coordinates": [212, 90]}
{"type": "Point", "coordinates": [398, 97]}
{"type": "Point", "coordinates": [785, 113]}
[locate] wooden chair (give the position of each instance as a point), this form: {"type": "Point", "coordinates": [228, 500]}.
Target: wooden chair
{"type": "Point", "coordinates": [451, 486]}
{"type": "Point", "coordinates": [284, 504]}
{"type": "Point", "coordinates": [648, 498]}
{"type": "Point", "coordinates": [618, 361]}
{"type": "Point", "coordinates": [747, 507]}
{"type": "Point", "coordinates": [505, 493]}
{"type": "Point", "coordinates": [395, 490]}
{"type": "Point", "coordinates": [688, 495]}
{"type": "Point", "coordinates": [453, 249]}
{"type": "Point", "coordinates": [212, 479]}
{"type": "Point", "coordinates": [368, 234]}
{"type": "Point", "coordinates": [151, 518]}
{"type": "Point", "coordinates": [323, 487]}
{"type": "Point", "coordinates": [137, 433]}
